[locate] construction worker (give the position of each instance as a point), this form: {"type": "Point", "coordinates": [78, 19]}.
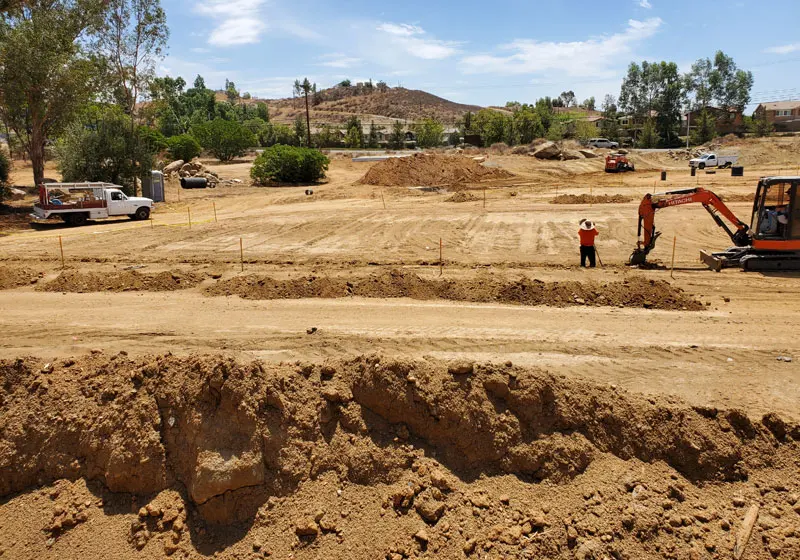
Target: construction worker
{"type": "Point", "coordinates": [587, 233]}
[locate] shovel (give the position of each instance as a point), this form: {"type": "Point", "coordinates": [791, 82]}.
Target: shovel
{"type": "Point", "coordinates": [597, 254]}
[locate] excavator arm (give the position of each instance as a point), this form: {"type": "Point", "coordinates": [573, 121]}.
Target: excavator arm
{"type": "Point", "coordinates": [648, 235]}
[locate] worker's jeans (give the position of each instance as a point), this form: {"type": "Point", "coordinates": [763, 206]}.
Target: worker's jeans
{"type": "Point", "coordinates": [587, 252]}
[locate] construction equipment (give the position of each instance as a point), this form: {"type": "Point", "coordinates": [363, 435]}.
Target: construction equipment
{"type": "Point", "coordinates": [771, 241]}
{"type": "Point", "coordinates": [618, 162]}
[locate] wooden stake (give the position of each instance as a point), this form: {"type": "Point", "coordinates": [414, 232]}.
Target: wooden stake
{"type": "Point", "coordinates": [61, 246]}
{"type": "Point", "coordinates": [215, 211]}
{"type": "Point", "coordinates": [441, 262]}
{"type": "Point", "coordinates": [744, 533]}
{"type": "Point", "coordinates": [674, 242]}
{"type": "Point", "coordinates": [241, 253]}
{"type": "Point", "coordinates": [189, 211]}
{"type": "Point", "coordinates": [383, 200]}
{"type": "Point", "coordinates": [151, 223]}
{"type": "Point", "coordinates": [179, 193]}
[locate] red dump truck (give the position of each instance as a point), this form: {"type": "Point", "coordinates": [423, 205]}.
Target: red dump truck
{"type": "Point", "coordinates": [75, 203]}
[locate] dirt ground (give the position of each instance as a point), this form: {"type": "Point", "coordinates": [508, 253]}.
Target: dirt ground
{"type": "Point", "coordinates": [294, 375]}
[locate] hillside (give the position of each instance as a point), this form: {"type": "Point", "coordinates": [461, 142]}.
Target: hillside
{"type": "Point", "coordinates": [335, 105]}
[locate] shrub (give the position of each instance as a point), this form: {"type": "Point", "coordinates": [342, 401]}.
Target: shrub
{"type": "Point", "coordinates": [225, 139]}
{"type": "Point", "coordinates": [183, 146]}
{"type": "Point", "coordinates": [5, 167]}
{"type": "Point", "coordinates": [289, 164]}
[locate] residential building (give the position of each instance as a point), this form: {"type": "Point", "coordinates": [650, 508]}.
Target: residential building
{"type": "Point", "coordinates": [730, 121]}
{"type": "Point", "coordinates": [783, 115]}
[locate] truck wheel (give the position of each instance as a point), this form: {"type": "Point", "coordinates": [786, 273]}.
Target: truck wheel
{"type": "Point", "coordinates": [142, 213]}
{"type": "Point", "coordinates": [78, 219]}
{"type": "Point", "coordinates": [702, 166]}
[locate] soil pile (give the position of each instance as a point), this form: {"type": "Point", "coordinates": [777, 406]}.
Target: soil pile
{"type": "Point", "coordinates": [13, 277]}
{"type": "Point", "coordinates": [375, 458]}
{"type": "Point", "coordinates": [462, 196]}
{"type": "Point", "coordinates": [430, 170]}
{"type": "Point", "coordinates": [634, 292]}
{"type": "Point", "coordinates": [122, 281]}
{"type": "Point", "coordinates": [590, 199]}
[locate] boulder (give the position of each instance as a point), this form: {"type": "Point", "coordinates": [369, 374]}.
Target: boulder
{"type": "Point", "coordinates": [548, 150]}
{"type": "Point", "coordinates": [15, 194]}
{"type": "Point", "coordinates": [588, 154]}
{"type": "Point", "coordinates": [216, 473]}
{"type": "Point", "coordinates": [622, 151]}
{"type": "Point", "coordinates": [174, 166]}
{"type": "Point", "coordinates": [571, 154]}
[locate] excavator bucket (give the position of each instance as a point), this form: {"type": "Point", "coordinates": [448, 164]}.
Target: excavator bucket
{"type": "Point", "coordinates": [713, 262]}
{"type": "Point", "coordinates": [638, 257]}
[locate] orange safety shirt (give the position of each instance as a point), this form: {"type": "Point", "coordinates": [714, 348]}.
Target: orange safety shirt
{"type": "Point", "coordinates": [587, 236]}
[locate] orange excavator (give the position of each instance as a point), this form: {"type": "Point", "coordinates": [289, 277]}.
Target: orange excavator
{"type": "Point", "coordinates": [771, 241]}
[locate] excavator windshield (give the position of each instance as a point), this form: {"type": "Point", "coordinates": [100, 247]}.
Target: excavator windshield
{"type": "Point", "coordinates": [774, 214]}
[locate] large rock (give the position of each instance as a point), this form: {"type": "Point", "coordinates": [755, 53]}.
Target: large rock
{"type": "Point", "coordinates": [174, 166]}
{"type": "Point", "coordinates": [548, 150]}
{"type": "Point", "coordinates": [571, 154]}
{"type": "Point", "coordinates": [588, 154]}
{"type": "Point", "coordinates": [217, 473]}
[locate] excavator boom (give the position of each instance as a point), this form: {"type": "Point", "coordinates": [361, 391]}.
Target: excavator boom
{"type": "Point", "coordinates": [739, 232]}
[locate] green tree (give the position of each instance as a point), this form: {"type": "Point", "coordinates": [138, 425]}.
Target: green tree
{"type": "Point", "coordinates": [398, 137]}
{"type": "Point", "coordinates": [528, 124]}
{"type": "Point", "coordinates": [231, 93]}
{"type": "Point", "coordinates": [183, 146]}
{"type": "Point", "coordinates": [589, 103]}
{"type": "Point", "coordinates": [98, 147]}
{"type": "Point", "coordinates": [372, 139]}
{"type": "Point", "coordinates": [289, 164]}
{"type": "Point", "coordinates": [568, 97]}
{"type": "Point", "coordinates": [327, 137]}
{"type": "Point", "coordinates": [557, 131]}
{"type": "Point", "coordinates": [262, 111]}
{"type": "Point", "coordinates": [429, 133]}
{"type": "Point", "coordinates": [300, 130]}
{"type": "Point", "coordinates": [46, 75]}
{"type": "Point", "coordinates": [224, 139]}
{"type": "Point", "coordinates": [491, 125]}
{"type": "Point", "coordinates": [584, 130]}
{"type": "Point", "coordinates": [758, 123]}
{"type": "Point", "coordinates": [5, 170]}
{"type": "Point", "coordinates": [655, 92]}
{"type": "Point", "coordinates": [705, 128]}
{"type": "Point", "coordinates": [648, 137]}
{"type": "Point", "coordinates": [304, 88]}
{"type": "Point", "coordinates": [720, 81]}
{"type": "Point", "coordinates": [609, 126]}
{"type": "Point", "coordinates": [354, 137]}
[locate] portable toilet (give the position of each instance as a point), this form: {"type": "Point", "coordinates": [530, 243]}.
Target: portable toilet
{"type": "Point", "coordinates": [156, 186]}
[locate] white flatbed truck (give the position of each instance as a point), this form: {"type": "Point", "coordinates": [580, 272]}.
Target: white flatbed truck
{"type": "Point", "coordinates": [712, 160]}
{"type": "Point", "coordinates": [76, 203]}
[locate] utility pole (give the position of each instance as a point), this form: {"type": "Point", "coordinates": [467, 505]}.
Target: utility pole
{"type": "Point", "coordinates": [306, 87]}
{"type": "Point", "coordinates": [688, 122]}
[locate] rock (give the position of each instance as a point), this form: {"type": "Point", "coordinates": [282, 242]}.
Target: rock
{"type": "Point", "coordinates": [429, 509]}
{"type": "Point", "coordinates": [422, 536]}
{"type": "Point", "coordinates": [738, 501]}
{"type": "Point", "coordinates": [548, 150]}
{"type": "Point", "coordinates": [15, 194]}
{"type": "Point", "coordinates": [622, 151]}
{"type": "Point", "coordinates": [214, 474]}
{"type": "Point", "coordinates": [505, 499]}
{"type": "Point", "coordinates": [497, 387]}
{"type": "Point", "coordinates": [173, 167]}
{"type": "Point", "coordinates": [538, 519]}
{"type": "Point", "coordinates": [441, 480]}
{"type": "Point", "coordinates": [306, 527]}
{"type": "Point", "coordinates": [479, 501]}
{"type": "Point", "coordinates": [336, 395]}
{"type": "Point", "coordinates": [571, 154]}
{"type": "Point", "coordinates": [588, 154]}
{"type": "Point", "coordinates": [461, 367]}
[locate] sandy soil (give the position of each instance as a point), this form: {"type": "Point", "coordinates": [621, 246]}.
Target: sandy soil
{"type": "Point", "coordinates": [314, 291]}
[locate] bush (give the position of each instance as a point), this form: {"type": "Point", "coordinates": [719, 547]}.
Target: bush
{"type": "Point", "coordinates": [183, 146]}
{"type": "Point", "coordinates": [5, 167]}
{"type": "Point", "coordinates": [289, 164]}
{"type": "Point", "coordinates": [225, 139]}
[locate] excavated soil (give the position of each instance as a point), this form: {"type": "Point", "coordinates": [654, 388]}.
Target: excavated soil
{"type": "Point", "coordinates": [14, 277]}
{"type": "Point", "coordinates": [430, 170]}
{"type": "Point", "coordinates": [121, 281]}
{"type": "Point", "coordinates": [369, 458]}
{"type": "Point", "coordinates": [634, 292]}
{"type": "Point", "coordinates": [590, 199]}
{"type": "Point", "coordinates": [462, 196]}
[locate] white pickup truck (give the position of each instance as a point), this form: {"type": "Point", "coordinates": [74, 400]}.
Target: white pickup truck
{"type": "Point", "coordinates": [712, 160]}
{"type": "Point", "coordinates": [75, 203]}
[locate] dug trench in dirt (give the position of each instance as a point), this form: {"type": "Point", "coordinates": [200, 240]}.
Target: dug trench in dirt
{"type": "Point", "coordinates": [376, 458]}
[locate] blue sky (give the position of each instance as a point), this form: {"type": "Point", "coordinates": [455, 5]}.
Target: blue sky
{"type": "Point", "coordinates": [484, 52]}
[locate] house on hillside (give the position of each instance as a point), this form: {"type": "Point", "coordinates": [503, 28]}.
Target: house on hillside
{"type": "Point", "coordinates": [783, 115]}
{"type": "Point", "coordinates": [726, 121]}
{"type": "Point", "coordinates": [631, 126]}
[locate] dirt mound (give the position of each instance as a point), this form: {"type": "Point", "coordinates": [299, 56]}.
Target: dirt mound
{"type": "Point", "coordinates": [737, 197]}
{"type": "Point", "coordinates": [430, 170]}
{"type": "Point", "coordinates": [590, 199]}
{"type": "Point", "coordinates": [388, 459]}
{"type": "Point", "coordinates": [121, 281]}
{"type": "Point", "coordinates": [462, 196]}
{"type": "Point", "coordinates": [634, 292]}
{"type": "Point", "coordinates": [12, 277]}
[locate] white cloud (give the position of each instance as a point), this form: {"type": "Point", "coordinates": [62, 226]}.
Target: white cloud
{"type": "Point", "coordinates": [414, 41]}
{"type": "Point", "coordinates": [592, 58]}
{"type": "Point", "coordinates": [338, 60]}
{"type": "Point", "coordinates": [237, 22]}
{"type": "Point", "coordinates": [783, 49]}
{"type": "Point", "coordinates": [645, 4]}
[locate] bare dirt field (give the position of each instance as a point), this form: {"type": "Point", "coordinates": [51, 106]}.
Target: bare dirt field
{"type": "Point", "coordinates": [295, 375]}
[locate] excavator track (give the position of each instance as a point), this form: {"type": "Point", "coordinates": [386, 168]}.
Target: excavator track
{"type": "Point", "coordinates": [771, 262]}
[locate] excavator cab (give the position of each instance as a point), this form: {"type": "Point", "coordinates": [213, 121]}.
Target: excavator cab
{"type": "Point", "coordinates": [776, 211]}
